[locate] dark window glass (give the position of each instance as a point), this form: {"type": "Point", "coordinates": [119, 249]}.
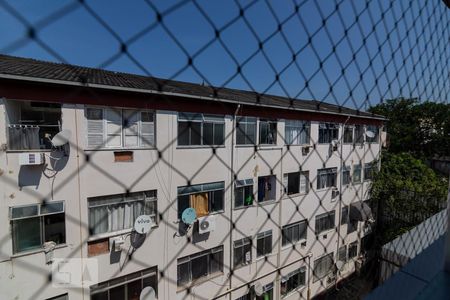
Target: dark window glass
{"type": "Point", "coordinates": [183, 133]}
{"type": "Point", "coordinates": [55, 228]}
{"type": "Point", "coordinates": [199, 266]}
{"type": "Point", "coordinates": [26, 234]}
{"type": "Point", "coordinates": [183, 272]}
{"type": "Point", "coordinates": [216, 200]}
{"type": "Point", "coordinates": [348, 134]}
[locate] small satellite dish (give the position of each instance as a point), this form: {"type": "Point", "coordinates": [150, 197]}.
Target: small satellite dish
{"type": "Point", "coordinates": [143, 224]}
{"type": "Point", "coordinates": [339, 264]}
{"type": "Point", "coordinates": [370, 134]}
{"type": "Point", "coordinates": [61, 138]}
{"type": "Point", "coordinates": [258, 288]}
{"type": "Point", "coordinates": [147, 293]}
{"type": "Point", "coordinates": [188, 216]}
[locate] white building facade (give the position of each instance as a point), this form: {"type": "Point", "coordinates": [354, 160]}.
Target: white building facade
{"type": "Point", "coordinates": [280, 188]}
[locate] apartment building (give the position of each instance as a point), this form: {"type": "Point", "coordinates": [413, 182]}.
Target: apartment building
{"type": "Point", "coordinates": [279, 187]}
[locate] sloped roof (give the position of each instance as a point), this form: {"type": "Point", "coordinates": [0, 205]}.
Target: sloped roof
{"type": "Point", "coordinates": [35, 70]}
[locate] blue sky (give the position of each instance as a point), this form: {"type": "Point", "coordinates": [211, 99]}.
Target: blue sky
{"type": "Point", "coordinates": [400, 48]}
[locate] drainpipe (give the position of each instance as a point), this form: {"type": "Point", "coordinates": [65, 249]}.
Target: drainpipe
{"type": "Point", "coordinates": [232, 195]}
{"type": "Point", "coordinates": [308, 292]}
{"type": "Point", "coordinates": [340, 199]}
{"type": "Point", "coordinates": [277, 280]}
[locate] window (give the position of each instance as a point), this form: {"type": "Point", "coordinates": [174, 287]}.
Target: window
{"type": "Point", "coordinates": [293, 233]}
{"type": "Point", "coordinates": [359, 134]}
{"type": "Point", "coordinates": [266, 188]}
{"type": "Point", "coordinates": [204, 198]}
{"type": "Point", "coordinates": [356, 173]}
{"type": "Point", "coordinates": [323, 266]}
{"type": "Point", "coordinates": [33, 225]}
{"type": "Point", "coordinates": [324, 221]}
{"type": "Point", "coordinates": [375, 131]}
{"type": "Point", "coordinates": [297, 132]}
{"type": "Point", "coordinates": [264, 243]}
{"type": "Point", "coordinates": [328, 132]}
{"type": "Point", "coordinates": [267, 293]}
{"type": "Point", "coordinates": [200, 129]}
{"type": "Point", "coordinates": [342, 253]}
{"type": "Point", "coordinates": [242, 251]}
{"type": "Point", "coordinates": [119, 128]}
{"type": "Point", "coordinates": [346, 179]}
{"type": "Point", "coordinates": [245, 297]}
{"type": "Point", "coordinates": [267, 132]}
{"type": "Point", "coordinates": [246, 131]}
{"type": "Point", "coordinates": [352, 250]}
{"type": "Point", "coordinates": [326, 178]}
{"type": "Point", "coordinates": [348, 134]}
{"type": "Point", "coordinates": [126, 287]}
{"type": "Point", "coordinates": [203, 264]}
{"type": "Point", "coordinates": [295, 183]}
{"type": "Point", "coordinates": [60, 297]}
{"type": "Point", "coordinates": [32, 125]}
{"type": "Point", "coordinates": [344, 215]}
{"type": "Point", "coordinates": [118, 212]}
{"type": "Point", "coordinates": [293, 281]}
{"type": "Point", "coordinates": [369, 170]}
{"type": "Point", "coordinates": [243, 193]}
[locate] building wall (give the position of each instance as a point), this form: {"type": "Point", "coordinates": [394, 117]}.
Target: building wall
{"type": "Point", "coordinates": [90, 173]}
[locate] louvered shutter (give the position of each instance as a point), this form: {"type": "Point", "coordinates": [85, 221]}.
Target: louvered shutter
{"type": "Point", "coordinates": [95, 127]}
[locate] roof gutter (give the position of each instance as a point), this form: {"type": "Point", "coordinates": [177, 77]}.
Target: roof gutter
{"type": "Point", "coordinates": [145, 91]}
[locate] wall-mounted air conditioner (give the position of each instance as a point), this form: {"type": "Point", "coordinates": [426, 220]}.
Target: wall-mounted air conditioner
{"type": "Point", "coordinates": [334, 145]}
{"type": "Point", "coordinates": [305, 150]}
{"type": "Point", "coordinates": [116, 243]}
{"type": "Point", "coordinates": [334, 193]}
{"type": "Point", "coordinates": [31, 159]}
{"type": "Point", "coordinates": [206, 224]}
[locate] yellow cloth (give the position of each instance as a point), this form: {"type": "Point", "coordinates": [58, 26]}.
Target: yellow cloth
{"type": "Point", "coordinates": [199, 202]}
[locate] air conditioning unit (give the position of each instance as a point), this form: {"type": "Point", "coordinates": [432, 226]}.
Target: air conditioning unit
{"type": "Point", "coordinates": [206, 224]}
{"type": "Point", "coordinates": [334, 145]}
{"type": "Point", "coordinates": [331, 278]}
{"type": "Point", "coordinates": [305, 150]}
{"type": "Point", "coordinates": [334, 193]}
{"type": "Point", "coordinates": [116, 244]}
{"type": "Point", "coordinates": [31, 159]}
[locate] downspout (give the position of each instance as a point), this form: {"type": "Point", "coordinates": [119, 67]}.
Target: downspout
{"type": "Point", "coordinates": [277, 280]}
{"type": "Point", "coordinates": [340, 199]}
{"type": "Point", "coordinates": [232, 195]}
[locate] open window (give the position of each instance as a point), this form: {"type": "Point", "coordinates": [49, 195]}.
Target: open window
{"type": "Point", "coordinates": [266, 188]}
{"type": "Point", "coordinates": [204, 198]}
{"type": "Point", "coordinates": [32, 125]}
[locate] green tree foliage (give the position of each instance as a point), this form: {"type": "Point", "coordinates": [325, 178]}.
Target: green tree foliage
{"type": "Point", "coordinates": [422, 129]}
{"type": "Point", "coordinates": [407, 192]}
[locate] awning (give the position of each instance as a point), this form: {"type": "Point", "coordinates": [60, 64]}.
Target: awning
{"type": "Point", "coordinates": [360, 211]}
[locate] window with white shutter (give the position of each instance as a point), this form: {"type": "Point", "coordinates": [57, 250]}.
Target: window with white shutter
{"type": "Point", "coordinates": [119, 128]}
{"type": "Point", "coordinates": [95, 128]}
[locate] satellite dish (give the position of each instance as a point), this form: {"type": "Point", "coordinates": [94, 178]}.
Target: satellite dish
{"type": "Point", "coordinates": [147, 293]}
{"type": "Point", "coordinates": [370, 134]}
{"type": "Point", "coordinates": [61, 138]}
{"type": "Point", "coordinates": [258, 288]}
{"type": "Point", "coordinates": [339, 264]}
{"type": "Point", "coordinates": [143, 224]}
{"type": "Point", "coordinates": [188, 216]}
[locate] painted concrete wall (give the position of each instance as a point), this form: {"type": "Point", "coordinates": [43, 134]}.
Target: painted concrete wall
{"type": "Point", "coordinates": [90, 173]}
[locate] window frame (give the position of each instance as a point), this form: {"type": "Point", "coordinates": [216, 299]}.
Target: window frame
{"type": "Point", "coordinates": [246, 242]}
{"type": "Point", "coordinates": [285, 240]}
{"type": "Point", "coordinates": [104, 134]}
{"type": "Point", "coordinates": [189, 258]}
{"type": "Point", "coordinates": [369, 168]}
{"type": "Point", "coordinates": [357, 168]}
{"type": "Point", "coordinates": [268, 123]}
{"type": "Point", "coordinates": [246, 122]}
{"type": "Point", "coordinates": [326, 215]}
{"type": "Point", "coordinates": [301, 273]}
{"type": "Point", "coordinates": [273, 181]}
{"type": "Point", "coordinates": [202, 119]}
{"type": "Point", "coordinates": [299, 125]}
{"type": "Point", "coordinates": [153, 199]}
{"type": "Point", "coordinates": [328, 256]}
{"type": "Point", "coordinates": [302, 175]}
{"type": "Point", "coordinates": [346, 169]}
{"type": "Point", "coordinates": [344, 136]}
{"type": "Point", "coordinates": [209, 188]}
{"type": "Point", "coordinates": [241, 186]}
{"type": "Point", "coordinates": [263, 236]}
{"type": "Point", "coordinates": [352, 246]}
{"type": "Point", "coordinates": [328, 171]}
{"type": "Point", "coordinates": [327, 132]}
{"type": "Point", "coordinates": [41, 217]}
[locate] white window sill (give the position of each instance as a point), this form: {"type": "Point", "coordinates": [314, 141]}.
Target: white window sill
{"type": "Point", "coordinates": [243, 207]}
{"type": "Point", "coordinates": [266, 202]}
{"type": "Point", "coordinates": [297, 290]}
{"type": "Point", "coordinates": [286, 196]}
{"type": "Point", "coordinates": [289, 246]}
{"type": "Point", "coordinates": [326, 232]}
{"type": "Point", "coordinates": [199, 281]}
{"type": "Point", "coordinates": [325, 189]}
{"type": "Point", "coordinates": [35, 251]}
{"type": "Point", "coordinates": [113, 234]}
{"type": "Point", "coordinates": [200, 146]}
{"type": "Point", "coordinates": [28, 151]}
{"type": "Point", "coordinates": [120, 149]}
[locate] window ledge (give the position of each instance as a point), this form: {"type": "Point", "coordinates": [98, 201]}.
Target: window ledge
{"type": "Point", "coordinates": [326, 231]}
{"type": "Point", "coordinates": [36, 251]}
{"type": "Point", "coordinates": [269, 147]}
{"type": "Point", "coordinates": [200, 146]}
{"type": "Point", "coordinates": [263, 257]}
{"type": "Point", "coordinates": [199, 281]}
{"type": "Point", "coordinates": [286, 196]}
{"type": "Point", "coordinates": [244, 145]}
{"type": "Point", "coordinates": [298, 145]}
{"type": "Point", "coordinates": [113, 234]}
{"type": "Point", "coordinates": [28, 151]}
{"type": "Point", "coordinates": [289, 246]}
{"type": "Point", "coordinates": [267, 202]}
{"type": "Point", "coordinates": [119, 149]}
{"type": "Point", "coordinates": [297, 290]}
{"type": "Point", "coordinates": [243, 207]}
